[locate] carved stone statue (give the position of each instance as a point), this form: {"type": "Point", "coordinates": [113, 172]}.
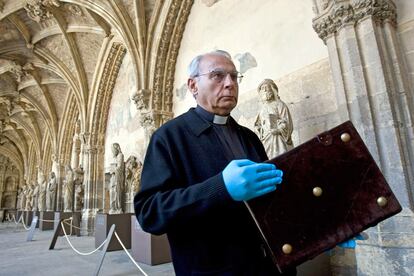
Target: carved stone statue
{"type": "Point", "coordinates": [41, 201]}
{"type": "Point", "coordinates": [19, 198]}
{"type": "Point", "coordinates": [79, 190]}
{"type": "Point", "coordinates": [273, 123]}
{"type": "Point", "coordinates": [51, 192]}
{"type": "Point", "coordinates": [29, 195]}
{"type": "Point", "coordinates": [117, 180]}
{"type": "Point", "coordinates": [35, 197]}
{"type": "Point", "coordinates": [23, 199]}
{"type": "Point", "coordinates": [68, 190]}
{"type": "Point", "coordinates": [133, 170]}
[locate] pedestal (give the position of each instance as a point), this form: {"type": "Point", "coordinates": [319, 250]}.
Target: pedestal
{"type": "Point", "coordinates": [18, 214]}
{"type": "Point", "coordinates": [46, 225]}
{"type": "Point", "coordinates": [103, 223]}
{"type": "Point", "coordinates": [76, 218]}
{"type": "Point", "coordinates": [147, 248]}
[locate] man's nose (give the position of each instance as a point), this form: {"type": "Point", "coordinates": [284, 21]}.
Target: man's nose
{"type": "Point", "coordinates": [229, 82]}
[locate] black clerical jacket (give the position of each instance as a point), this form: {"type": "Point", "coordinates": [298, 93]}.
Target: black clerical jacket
{"type": "Point", "coordinates": [183, 194]}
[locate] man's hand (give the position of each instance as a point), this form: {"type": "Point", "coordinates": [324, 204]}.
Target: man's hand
{"type": "Point", "coordinates": [245, 179]}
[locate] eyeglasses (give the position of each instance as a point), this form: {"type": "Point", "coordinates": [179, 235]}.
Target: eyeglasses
{"type": "Point", "coordinates": [219, 75]}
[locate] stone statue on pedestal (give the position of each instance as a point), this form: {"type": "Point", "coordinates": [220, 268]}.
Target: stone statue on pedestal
{"type": "Point", "coordinates": [51, 192]}
{"type": "Point", "coordinates": [133, 170]}
{"type": "Point", "coordinates": [117, 180]}
{"type": "Point", "coordinates": [273, 123]}
{"type": "Point", "coordinates": [79, 190]}
{"type": "Point", "coordinates": [41, 202]}
{"type": "Point", "coordinates": [68, 190]}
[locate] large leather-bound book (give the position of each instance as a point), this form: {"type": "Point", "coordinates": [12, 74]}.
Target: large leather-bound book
{"type": "Point", "coordinates": [332, 190]}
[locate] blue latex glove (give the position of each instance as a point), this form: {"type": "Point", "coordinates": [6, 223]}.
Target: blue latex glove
{"type": "Point", "coordinates": [245, 179]}
{"type": "Point", "coordinates": [351, 243]}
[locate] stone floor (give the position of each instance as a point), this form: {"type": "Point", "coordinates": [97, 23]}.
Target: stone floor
{"type": "Point", "coordinates": [19, 257]}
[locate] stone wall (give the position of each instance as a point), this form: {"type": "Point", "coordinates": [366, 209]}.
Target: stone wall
{"type": "Point", "coordinates": [123, 127]}
{"type": "Point", "coordinates": [264, 40]}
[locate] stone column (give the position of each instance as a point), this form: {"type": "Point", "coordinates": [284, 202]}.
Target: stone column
{"type": "Point", "coordinates": [93, 183]}
{"type": "Point", "coordinates": [76, 147]}
{"type": "Point", "coordinates": [373, 92]}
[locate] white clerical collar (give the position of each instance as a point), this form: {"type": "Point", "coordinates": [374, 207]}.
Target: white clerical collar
{"type": "Point", "coordinates": [211, 117]}
{"type": "Point", "coordinates": [220, 120]}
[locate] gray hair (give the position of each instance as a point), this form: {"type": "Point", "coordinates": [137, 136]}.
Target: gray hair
{"type": "Point", "coordinates": [195, 63]}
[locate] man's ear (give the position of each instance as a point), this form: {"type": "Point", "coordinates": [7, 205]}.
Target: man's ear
{"type": "Point", "coordinates": [192, 86]}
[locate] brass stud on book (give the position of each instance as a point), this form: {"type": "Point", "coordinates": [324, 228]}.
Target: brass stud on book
{"type": "Point", "coordinates": [345, 137]}
{"type": "Point", "coordinates": [317, 191]}
{"type": "Point", "coordinates": [382, 201]}
{"type": "Point", "coordinates": [287, 248]}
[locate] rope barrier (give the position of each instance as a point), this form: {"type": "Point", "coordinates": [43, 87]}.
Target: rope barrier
{"type": "Point", "coordinates": [77, 251]}
{"type": "Point", "coordinates": [17, 222]}
{"type": "Point", "coordinates": [24, 224]}
{"type": "Point", "coordinates": [126, 251]}
{"type": "Point", "coordinates": [70, 225]}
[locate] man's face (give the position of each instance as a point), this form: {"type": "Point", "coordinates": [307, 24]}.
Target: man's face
{"type": "Point", "coordinates": [216, 96]}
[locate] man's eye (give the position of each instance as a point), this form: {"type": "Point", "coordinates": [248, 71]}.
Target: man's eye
{"type": "Point", "coordinates": [217, 75]}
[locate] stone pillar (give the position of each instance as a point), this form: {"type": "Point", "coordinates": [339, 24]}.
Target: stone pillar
{"type": "Point", "coordinates": [76, 147]}
{"type": "Point", "coordinates": [93, 183]}
{"type": "Point", "coordinates": [373, 92]}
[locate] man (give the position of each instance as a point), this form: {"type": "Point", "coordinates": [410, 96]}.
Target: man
{"type": "Point", "coordinates": [198, 170]}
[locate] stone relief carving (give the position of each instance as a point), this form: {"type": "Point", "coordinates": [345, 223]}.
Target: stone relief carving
{"type": "Point", "coordinates": [117, 181]}
{"type": "Point", "coordinates": [133, 169]}
{"type": "Point", "coordinates": [330, 20]}
{"type": "Point", "coordinates": [141, 99]}
{"type": "Point", "coordinates": [68, 186]}
{"type": "Point", "coordinates": [79, 189]}
{"type": "Point", "coordinates": [51, 192]}
{"type": "Point", "coordinates": [1, 5]}
{"type": "Point", "coordinates": [273, 123]}
{"type": "Point", "coordinates": [41, 181]}
{"type": "Point", "coordinates": [38, 11]}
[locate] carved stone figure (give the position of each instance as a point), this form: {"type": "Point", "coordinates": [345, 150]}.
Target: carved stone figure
{"type": "Point", "coordinates": [51, 192]}
{"type": "Point", "coordinates": [273, 123]}
{"type": "Point", "coordinates": [35, 197]}
{"type": "Point", "coordinates": [133, 170]}
{"type": "Point", "coordinates": [23, 200]}
{"type": "Point", "coordinates": [41, 201]}
{"type": "Point", "coordinates": [117, 180]}
{"type": "Point", "coordinates": [19, 198]}
{"type": "Point", "coordinates": [29, 195]}
{"type": "Point", "coordinates": [68, 190]}
{"type": "Point", "coordinates": [79, 190]}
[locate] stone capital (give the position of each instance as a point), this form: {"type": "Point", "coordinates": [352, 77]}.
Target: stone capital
{"type": "Point", "coordinates": [141, 99]}
{"type": "Point", "coordinates": [334, 14]}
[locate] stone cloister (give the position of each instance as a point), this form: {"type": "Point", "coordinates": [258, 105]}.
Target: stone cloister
{"type": "Point", "coordinates": [77, 76]}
